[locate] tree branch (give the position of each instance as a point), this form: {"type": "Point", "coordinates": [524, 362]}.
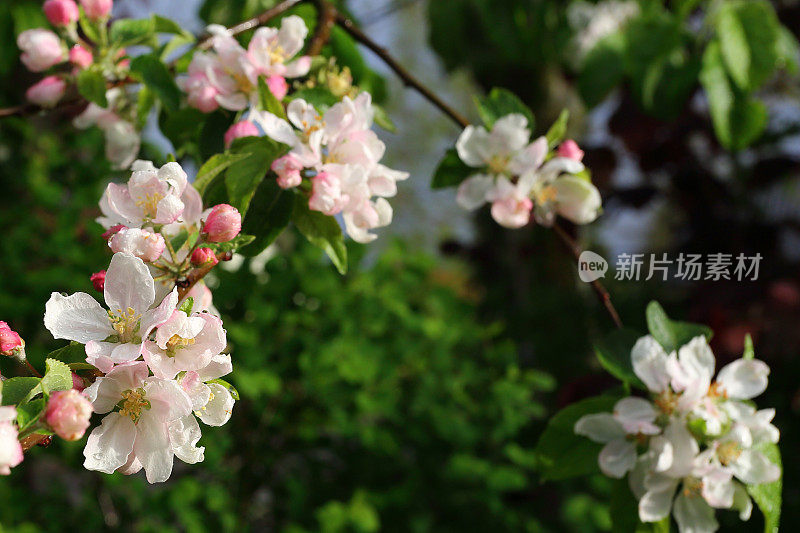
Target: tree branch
{"type": "Point", "coordinates": [326, 18]}
{"type": "Point", "coordinates": [258, 20]}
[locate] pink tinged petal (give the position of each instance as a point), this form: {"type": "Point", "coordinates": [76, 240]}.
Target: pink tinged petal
{"type": "Point", "coordinates": [636, 416]}
{"type": "Point", "coordinates": [106, 391]}
{"type": "Point", "coordinates": [292, 34]}
{"type": "Point", "coordinates": [160, 363]}
{"type": "Point", "coordinates": [192, 205]}
{"type": "Point", "coordinates": [718, 488]}
{"type": "Point", "coordinates": [10, 448]}
{"type": "Point", "coordinates": [167, 399]}
{"type": "Point", "coordinates": [744, 379]}
{"type": "Point", "coordinates": [209, 342]}
{"type": "Point", "coordinates": [617, 457]}
{"type": "Point", "coordinates": [168, 210]}
{"type": "Point", "coordinates": [298, 67]}
{"type": "Point", "coordinates": [199, 393]}
{"type": "Point", "coordinates": [473, 191]}
{"type": "Point", "coordinates": [218, 410]}
{"type": "Point", "coordinates": [472, 146]}
{"type": "Point", "coordinates": [155, 317]}
{"type": "Point", "coordinates": [178, 324]}
{"type": "Point", "coordinates": [131, 467]}
{"type": "Point", "coordinates": [77, 317]}
{"type": "Point", "coordinates": [129, 284]}
{"type": "Point", "coordinates": [152, 448]}
{"type": "Point", "coordinates": [650, 363]}
{"type": "Point", "coordinates": [529, 158]}
{"type": "Point", "coordinates": [124, 353]}
{"type": "Point", "coordinates": [175, 176]}
{"type": "Point", "coordinates": [184, 433]}
{"type": "Point", "coordinates": [560, 165]}
{"type": "Point", "coordinates": [219, 366]}
{"type": "Point", "coordinates": [656, 502]}
{"type": "Point", "coordinates": [232, 102]}
{"type": "Point", "coordinates": [8, 413]}
{"type": "Point", "coordinates": [98, 353]}
{"type": "Point", "coordinates": [110, 444]}
{"type": "Point", "coordinates": [694, 515]}
{"type": "Point", "coordinates": [600, 427]}
{"type": "Point", "coordinates": [753, 467]}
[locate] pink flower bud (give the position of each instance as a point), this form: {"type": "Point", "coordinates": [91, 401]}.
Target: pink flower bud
{"type": "Point", "coordinates": [288, 170]}
{"type": "Point", "coordinates": [223, 223]}
{"type": "Point", "coordinates": [77, 382]}
{"type": "Point", "coordinates": [203, 256]}
{"type": "Point", "coordinates": [113, 230]}
{"type": "Point", "coordinates": [10, 341]}
{"type": "Point", "coordinates": [80, 56]}
{"type": "Point", "coordinates": [47, 92]}
{"type": "Point", "coordinates": [243, 128]}
{"type": "Point", "coordinates": [570, 150]}
{"type": "Point", "coordinates": [204, 98]}
{"type": "Point", "coordinates": [143, 244]}
{"type": "Point", "coordinates": [41, 49]}
{"type": "Point", "coordinates": [61, 12]}
{"type": "Point", "coordinates": [277, 86]}
{"type": "Point", "coordinates": [68, 414]}
{"type": "Point", "coordinates": [98, 280]}
{"type": "Point", "coordinates": [97, 9]}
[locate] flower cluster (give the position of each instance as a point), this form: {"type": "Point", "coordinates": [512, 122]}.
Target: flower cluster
{"type": "Point", "coordinates": [161, 359]}
{"type": "Point", "coordinates": [338, 155]}
{"type": "Point", "coordinates": [228, 75]}
{"type": "Point", "coordinates": [696, 442]}
{"type": "Point", "coordinates": [519, 177]}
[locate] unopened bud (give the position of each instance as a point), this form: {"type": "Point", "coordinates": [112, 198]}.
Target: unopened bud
{"type": "Point", "coordinates": [223, 223]}
{"type": "Point", "coordinates": [11, 344]}
{"type": "Point", "coordinates": [204, 256]}
{"type": "Point", "coordinates": [97, 9]}
{"type": "Point", "coordinates": [243, 128]}
{"type": "Point", "coordinates": [68, 414]}
{"type": "Point", "coordinates": [570, 150]}
{"type": "Point", "coordinates": [98, 280]}
{"type": "Point", "coordinates": [80, 56]}
{"type": "Point", "coordinates": [113, 230]}
{"type": "Point", "coordinates": [61, 12]}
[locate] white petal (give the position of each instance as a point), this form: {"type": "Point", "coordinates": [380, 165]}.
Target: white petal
{"type": "Point", "coordinates": [694, 515]}
{"type": "Point", "coordinates": [124, 353]}
{"type": "Point", "coordinates": [718, 488]}
{"type": "Point", "coordinates": [657, 501]}
{"type": "Point", "coordinates": [744, 378]}
{"type": "Point", "coordinates": [684, 448]}
{"type": "Point", "coordinates": [636, 416]}
{"type": "Point", "coordinates": [577, 199]}
{"type": "Point", "coordinates": [218, 410]}
{"type": "Point", "coordinates": [529, 158]}
{"type": "Point", "coordinates": [661, 450]}
{"type": "Point", "coordinates": [650, 363]}
{"type": "Point", "coordinates": [617, 457]}
{"type": "Point", "coordinates": [157, 316]}
{"type": "Point", "coordinates": [109, 444]}
{"type": "Point", "coordinates": [753, 467]}
{"type": "Point", "coordinates": [472, 144]}
{"type": "Point", "coordinates": [275, 128]}
{"type": "Point", "coordinates": [77, 318]}
{"type": "Point", "coordinates": [167, 399]}
{"type": "Point", "coordinates": [473, 191]}
{"type": "Point", "coordinates": [742, 502]}
{"type": "Point", "coordinates": [697, 359]}
{"type": "Point", "coordinates": [509, 134]}
{"type": "Point", "coordinates": [600, 427]}
{"type": "Point", "coordinates": [219, 366]}
{"type": "Point", "coordinates": [184, 433]}
{"type": "Point", "coordinates": [129, 284]}
{"type": "Point", "coordinates": [153, 448]}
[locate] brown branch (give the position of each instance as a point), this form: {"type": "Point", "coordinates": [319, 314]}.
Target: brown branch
{"type": "Point", "coordinates": [185, 285]}
{"type": "Point", "coordinates": [31, 440]}
{"type": "Point", "coordinates": [326, 18]}
{"type": "Point", "coordinates": [601, 292]}
{"type": "Point", "coordinates": [398, 69]}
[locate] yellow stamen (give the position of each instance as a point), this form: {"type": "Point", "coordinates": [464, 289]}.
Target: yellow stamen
{"type": "Point", "coordinates": [132, 404]}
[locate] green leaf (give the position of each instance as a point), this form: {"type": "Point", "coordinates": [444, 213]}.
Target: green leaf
{"type": "Point", "coordinates": [243, 177]}
{"type": "Point", "coordinates": [213, 168]}
{"type": "Point", "coordinates": [29, 413]}
{"type": "Point", "coordinates": [268, 101]}
{"type": "Point", "coordinates": [75, 367]}
{"type": "Point", "coordinates": [614, 353]}
{"type": "Point", "coordinates": [269, 214]}
{"type": "Point", "coordinates": [749, 35]}
{"type": "Point", "coordinates": [672, 334]}
{"type": "Point", "coordinates": [451, 171]}
{"type": "Point", "coordinates": [320, 97]}
{"type": "Point", "coordinates": [56, 377]}
{"type": "Point", "coordinates": [183, 127]}
{"type": "Point", "coordinates": [499, 103]}
{"type": "Point", "coordinates": [228, 386]}
{"type": "Point", "coordinates": [179, 240]}
{"type": "Point", "coordinates": [89, 27]}
{"type": "Point", "coordinates": [602, 70]}
{"type": "Point", "coordinates": [321, 231]}
{"type": "Point", "coordinates": [558, 130]}
{"type": "Point", "coordinates": [17, 389]}
{"type": "Point", "coordinates": [187, 305]}
{"type": "Point", "coordinates": [738, 119]}
{"type": "Point", "coordinates": [232, 245]}
{"type": "Point", "coordinates": [562, 453]}
{"type": "Point", "coordinates": [749, 353]}
{"type": "Point", "coordinates": [768, 496]}
{"type": "Point", "coordinates": [128, 32]}
{"type": "Point", "coordinates": [155, 75]}
{"type": "Point", "coordinates": [92, 86]}
{"type": "Point", "coordinates": [383, 119]}
{"type": "Point", "coordinates": [788, 51]}
{"type": "Point", "coordinates": [74, 352]}
{"type": "Point", "coordinates": [145, 101]}
{"type": "Point", "coordinates": [212, 134]}
{"type": "Point", "coordinates": [166, 25]}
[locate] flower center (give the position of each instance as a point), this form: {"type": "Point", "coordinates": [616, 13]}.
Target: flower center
{"type": "Point", "coordinates": [149, 204]}
{"type": "Point", "coordinates": [498, 163]}
{"type": "Point", "coordinates": [176, 341]}
{"type": "Point", "coordinates": [133, 401]}
{"type": "Point", "coordinates": [667, 401]}
{"type": "Point", "coordinates": [277, 55]}
{"type": "Point", "coordinates": [716, 391]}
{"type": "Point", "coordinates": [125, 323]}
{"type": "Point", "coordinates": [728, 453]}
{"type": "Point", "coordinates": [545, 195]}
{"type": "Point", "coordinates": [692, 486]}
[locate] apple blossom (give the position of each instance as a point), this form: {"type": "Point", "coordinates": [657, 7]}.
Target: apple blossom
{"type": "Point", "coordinates": [97, 9]}
{"type": "Point", "coordinates": [184, 343]}
{"type": "Point", "coordinates": [222, 224]}
{"type": "Point", "coordinates": [114, 336]}
{"type": "Point", "coordinates": [288, 168]}
{"type": "Point", "coordinates": [204, 256]}
{"type": "Point", "coordinates": [570, 150]}
{"type": "Point", "coordinates": [135, 433]}
{"type": "Point", "coordinates": [10, 341]}
{"type": "Point", "coordinates": [145, 245]}
{"type": "Point", "coordinates": [98, 280]}
{"type": "Point", "coordinates": [68, 414]}
{"type": "Point", "coordinates": [122, 139]}
{"type": "Point", "coordinates": [243, 128]}
{"type": "Point", "coordinates": [41, 49]}
{"type": "Point", "coordinates": [271, 49]}
{"type": "Point", "coordinates": [80, 56]}
{"type": "Point", "coordinates": [47, 92]}
{"type": "Point", "coordinates": [113, 230]}
{"type": "Point", "coordinates": [10, 448]}
{"type": "Point", "coordinates": [61, 12]}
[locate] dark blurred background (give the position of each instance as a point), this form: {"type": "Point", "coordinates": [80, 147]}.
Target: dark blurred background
{"type": "Point", "coordinates": [409, 394]}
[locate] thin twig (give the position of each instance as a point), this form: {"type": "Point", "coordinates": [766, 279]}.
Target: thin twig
{"type": "Point", "coordinates": [254, 22]}
{"type": "Point", "coordinates": [32, 370]}
{"type": "Point", "coordinates": [601, 292]}
{"type": "Point", "coordinates": [326, 19]}
{"type": "Point", "coordinates": [408, 79]}
{"type": "Point", "coordinates": [185, 285]}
